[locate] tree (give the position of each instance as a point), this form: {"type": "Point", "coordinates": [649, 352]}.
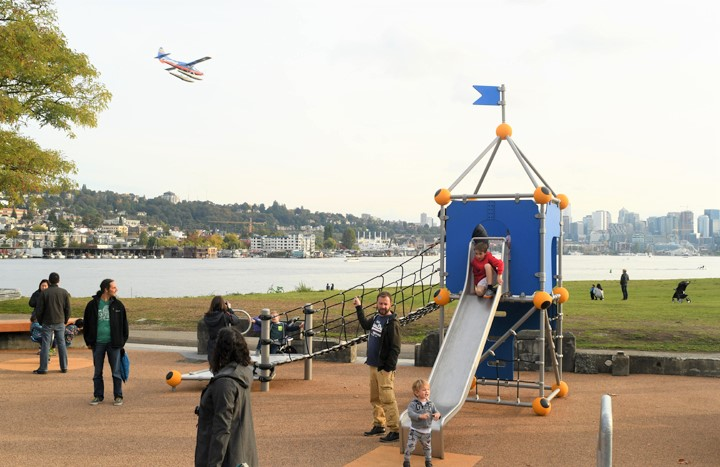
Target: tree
{"type": "Point", "coordinates": [45, 82]}
{"type": "Point", "coordinates": [348, 239]}
{"type": "Point", "coordinates": [60, 240]}
{"type": "Point", "coordinates": [231, 241]}
{"type": "Point", "coordinates": [328, 232]}
{"type": "Point", "coordinates": [143, 238]}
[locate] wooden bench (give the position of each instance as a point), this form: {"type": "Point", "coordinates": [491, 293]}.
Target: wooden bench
{"type": "Point", "coordinates": [15, 333]}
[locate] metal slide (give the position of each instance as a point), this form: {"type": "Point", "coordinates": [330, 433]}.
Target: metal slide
{"type": "Point", "coordinates": [457, 361]}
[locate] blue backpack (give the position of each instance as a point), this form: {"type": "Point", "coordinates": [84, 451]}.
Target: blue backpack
{"type": "Point", "coordinates": [36, 332]}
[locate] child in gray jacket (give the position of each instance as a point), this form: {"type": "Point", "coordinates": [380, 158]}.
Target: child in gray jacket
{"type": "Point", "coordinates": [422, 412]}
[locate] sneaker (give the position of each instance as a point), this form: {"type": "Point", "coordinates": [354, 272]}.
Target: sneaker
{"type": "Point", "coordinates": [406, 463]}
{"type": "Point", "coordinates": [390, 437]}
{"type": "Point", "coordinates": [118, 401]}
{"type": "Point", "coordinates": [376, 430]}
{"type": "Point", "coordinates": [95, 401]}
{"type": "Point", "coordinates": [490, 292]}
{"type": "Point", "coordinates": [428, 463]}
{"type": "Point", "coordinates": [40, 372]}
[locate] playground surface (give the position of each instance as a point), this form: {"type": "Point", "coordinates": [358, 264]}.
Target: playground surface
{"type": "Point", "coordinates": [658, 420]}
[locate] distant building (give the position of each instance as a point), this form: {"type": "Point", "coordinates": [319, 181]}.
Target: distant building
{"type": "Point", "coordinates": [289, 243]}
{"type": "Point", "coordinates": [170, 196]}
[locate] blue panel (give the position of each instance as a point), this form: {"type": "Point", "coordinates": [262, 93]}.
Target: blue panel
{"type": "Point", "coordinates": [500, 366]}
{"type": "Point", "coordinates": [497, 217]}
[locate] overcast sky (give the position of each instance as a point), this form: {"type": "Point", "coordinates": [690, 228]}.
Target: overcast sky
{"type": "Point", "coordinates": [366, 106]}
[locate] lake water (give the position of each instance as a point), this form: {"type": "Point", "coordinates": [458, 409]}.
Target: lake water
{"type": "Point", "coordinates": [194, 277]}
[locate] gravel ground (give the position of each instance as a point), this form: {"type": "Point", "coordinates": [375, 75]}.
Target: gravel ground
{"type": "Point", "coordinates": [658, 420]}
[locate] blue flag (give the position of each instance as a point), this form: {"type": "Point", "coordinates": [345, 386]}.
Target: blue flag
{"type": "Point", "coordinates": [489, 95]}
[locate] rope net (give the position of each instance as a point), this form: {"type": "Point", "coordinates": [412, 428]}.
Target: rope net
{"type": "Point", "coordinates": [411, 285]}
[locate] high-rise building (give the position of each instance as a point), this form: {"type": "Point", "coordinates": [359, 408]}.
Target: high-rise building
{"type": "Point", "coordinates": [714, 216]}
{"type": "Point", "coordinates": [703, 223]}
{"type": "Point", "coordinates": [601, 220]}
{"type": "Point", "coordinates": [686, 227]}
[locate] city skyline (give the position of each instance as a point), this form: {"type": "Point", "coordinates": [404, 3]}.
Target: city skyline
{"type": "Point", "coordinates": [367, 107]}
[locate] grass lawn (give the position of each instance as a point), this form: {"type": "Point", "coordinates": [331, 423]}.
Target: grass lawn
{"type": "Point", "coordinates": [647, 321]}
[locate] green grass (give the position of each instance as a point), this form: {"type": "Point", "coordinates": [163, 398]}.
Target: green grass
{"type": "Point", "coordinates": [647, 321]}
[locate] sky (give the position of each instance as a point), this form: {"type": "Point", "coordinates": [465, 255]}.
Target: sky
{"type": "Point", "coordinates": [366, 107]}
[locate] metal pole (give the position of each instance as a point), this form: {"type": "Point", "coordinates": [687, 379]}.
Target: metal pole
{"type": "Point", "coordinates": [265, 349]}
{"type": "Point", "coordinates": [307, 309]}
{"type": "Point", "coordinates": [443, 236]}
{"type": "Point", "coordinates": [543, 315]}
{"type": "Point", "coordinates": [605, 435]}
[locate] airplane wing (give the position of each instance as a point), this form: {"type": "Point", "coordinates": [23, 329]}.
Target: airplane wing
{"type": "Point", "coordinates": [198, 61]}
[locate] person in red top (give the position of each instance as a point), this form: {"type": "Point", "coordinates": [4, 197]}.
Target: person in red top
{"type": "Point", "coordinates": [487, 271]}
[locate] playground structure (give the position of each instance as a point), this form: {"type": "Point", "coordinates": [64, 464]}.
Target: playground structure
{"type": "Point", "coordinates": [479, 348]}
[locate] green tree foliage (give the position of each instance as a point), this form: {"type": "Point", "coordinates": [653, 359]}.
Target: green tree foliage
{"type": "Point", "coordinates": [45, 82]}
{"type": "Point", "coordinates": [60, 240]}
{"type": "Point", "coordinates": [231, 242]}
{"type": "Point", "coordinates": [328, 232]}
{"type": "Point", "coordinates": [348, 239]}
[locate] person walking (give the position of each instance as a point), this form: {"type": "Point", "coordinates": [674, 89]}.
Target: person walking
{"type": "Point", "coordinates": [383, 350]}
{"type": "Point", "coordinates": [106, 331]}
{"type": "Point", "coordinates": [53, 312]}
{"type": "Point", "coordinates": [225, 431]}
{"type": "Point", "coordinates": [624, 279]}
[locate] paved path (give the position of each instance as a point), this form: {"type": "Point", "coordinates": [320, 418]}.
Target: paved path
{"type": "Point", "coordinates": [658, 420]}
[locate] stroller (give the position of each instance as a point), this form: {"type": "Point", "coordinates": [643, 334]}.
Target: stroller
{"type": "Point", "coordinates": [680, 294]}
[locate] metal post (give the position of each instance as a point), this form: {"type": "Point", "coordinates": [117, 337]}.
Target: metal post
{"type": "Point", "coordinates": [543, 315]}
{"type": "Point", "coordinates": [559, 325]}
{"type": "Point", "coordinates": [265, 349]}
{"type": "Point", "coordinates": [307, 309]}
{"type": "Point", "coordinates": [605, 435]}
{"type": "Point", "coordinates": [443, 234]}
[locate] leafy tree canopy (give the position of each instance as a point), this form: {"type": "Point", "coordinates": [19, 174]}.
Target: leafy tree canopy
{"type": "Point", "coordinates": [42, 81]}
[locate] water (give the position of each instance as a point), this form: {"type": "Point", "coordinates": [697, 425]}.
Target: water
{"type": "Point", "coordinates": [194, 277]}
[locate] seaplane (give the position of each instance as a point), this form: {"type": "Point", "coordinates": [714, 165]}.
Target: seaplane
{"type": "Point", "coordinates": [185, 71]}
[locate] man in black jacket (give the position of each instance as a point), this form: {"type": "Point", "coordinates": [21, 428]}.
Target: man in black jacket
{"type": "Point", "coordinates": [106, 332]}
{"type": "Point", "coordinates": [383, 350]}
{"type": "Point", "coordinates": [53, 312]}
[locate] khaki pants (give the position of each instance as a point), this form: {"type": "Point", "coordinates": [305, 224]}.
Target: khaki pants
{"type": "Point", "coordinates": [382, 398]}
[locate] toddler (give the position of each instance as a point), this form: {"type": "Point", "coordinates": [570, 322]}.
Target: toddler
{"type": "Point", "coordinates": [421, 412]}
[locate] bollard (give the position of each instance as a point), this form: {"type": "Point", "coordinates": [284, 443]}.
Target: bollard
{"type": "Point", "coordinates": [620, 364]}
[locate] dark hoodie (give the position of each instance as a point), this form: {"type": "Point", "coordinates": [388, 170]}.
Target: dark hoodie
{"type": "Point", "coordinates": [225, 431]}
{"type": "Point", "coordinates": [215, 321]}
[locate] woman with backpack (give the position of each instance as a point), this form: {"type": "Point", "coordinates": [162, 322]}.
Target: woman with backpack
{"type": "Point", "coordinates": [219, 316]}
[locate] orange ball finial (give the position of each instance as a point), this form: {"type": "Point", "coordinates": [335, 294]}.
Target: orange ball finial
{"type": "Point", "coordinates": [564, 201]}
{"type": "Point", "coordinates": [442, 196]}
{"type": "Point", "coordinates": [442, 297]}
{"type": "Point", "coordinates": [503, 131]}
{"type": "Point", "coordinates": [542, 195]}
{"type": "Point", "coordinates": [563, 292]}
{"type": "Point", "coordinates": [542, 300]}
{"type": "Point", "coordinates": [541, 406]}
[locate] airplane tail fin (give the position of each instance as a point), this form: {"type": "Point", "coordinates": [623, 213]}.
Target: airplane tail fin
{"type": "Point", "coordinates": [161, 53]}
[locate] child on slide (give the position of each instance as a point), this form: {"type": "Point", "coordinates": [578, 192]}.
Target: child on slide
{"type": "Point", "coordinates": [487, 271]}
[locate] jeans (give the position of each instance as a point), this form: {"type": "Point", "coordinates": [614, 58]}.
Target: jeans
{"type": "Point", "coordinates": [113, 354]}
{"type": "Point", "coordinates": [47, 332]}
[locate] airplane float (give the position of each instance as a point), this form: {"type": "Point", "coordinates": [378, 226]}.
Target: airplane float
{"type": "Point", "coordinates": [181, 70]}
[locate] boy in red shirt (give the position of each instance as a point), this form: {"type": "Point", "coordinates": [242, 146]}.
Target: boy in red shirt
{"type": "Point", "coordinates": [487, 271]}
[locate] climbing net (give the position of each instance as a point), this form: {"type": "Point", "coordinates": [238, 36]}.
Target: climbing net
{"type": "Point", "coordinates": [411, 285]}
